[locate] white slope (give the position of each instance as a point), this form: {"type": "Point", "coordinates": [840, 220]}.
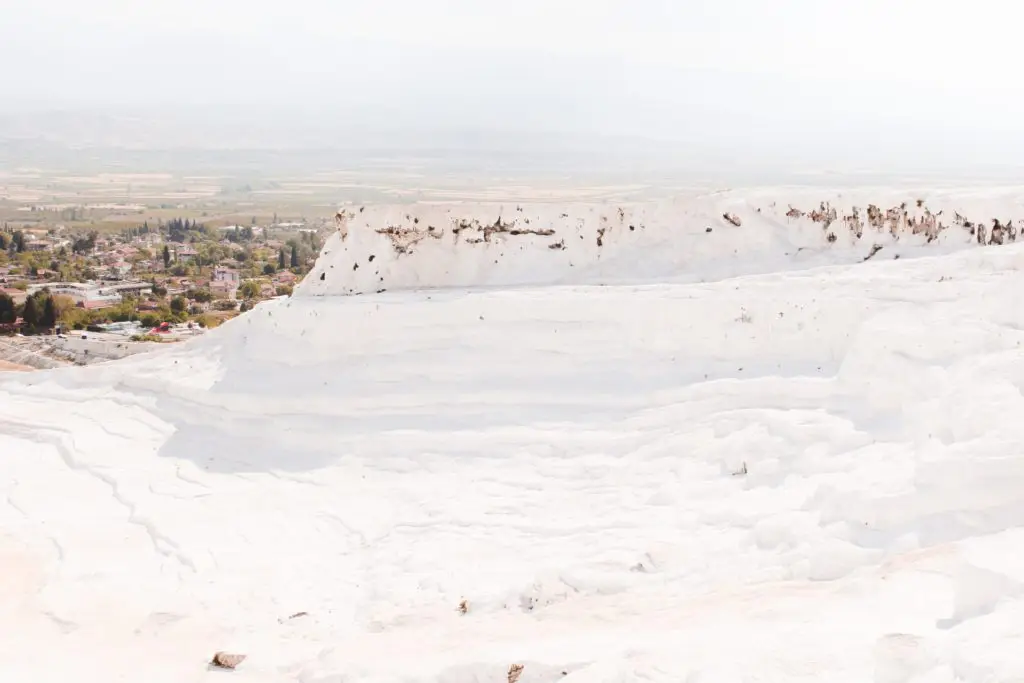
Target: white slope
{"type": "Point", "coordinates": [809, 475]}
{"type": "Point", "coordinates": [689, 238]}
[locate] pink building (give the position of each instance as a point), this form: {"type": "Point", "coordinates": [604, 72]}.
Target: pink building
{"type": "Point", "coordinates": [221, 274]}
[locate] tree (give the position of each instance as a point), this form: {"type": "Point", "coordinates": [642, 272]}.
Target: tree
{"type": "Point", "coordinates": [269, 269]}
{"type": "Point", "coordinates": [207, 321]}
{"type": "Point", "coordinates": [31, 313]}
{"type": "Point", "coordinates": [84, 244]}
{"type": "Point", "coordinates": [167, 256]}
{"type": "Point", "coordinates": [8, 310]}
{"type": "Point", "coordinates": [295, 256]}
{"type": "Point", "coordinates": [250, 289]}
{"type": "Point", "coordinates": [177, 229]}
{"type": "Point", "coordinates": [62, 304]}
{"type": "Point", "coordinates": [49, 316]}
{"type": "Point", "coordinates": [281, 265]}
{"type": "Point", "coordinates": [19, 241]}
{"type": "Point", "coordinates": [201, 295]}
{"type": "Point", "coordinates": [179, 304]}
{"type": "Point", "coordinates": [3, 242]}
{"type": "Point", "coordinates": [77, 318]}
{"type": "Point", "coordinates": [126, 310]}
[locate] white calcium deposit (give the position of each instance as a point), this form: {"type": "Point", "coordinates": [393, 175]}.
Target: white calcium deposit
{"type": "Point", "coordinates": [736, 455]}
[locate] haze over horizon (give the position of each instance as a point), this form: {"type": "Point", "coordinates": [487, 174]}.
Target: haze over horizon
{"type": "Point", "coordinates": [918, 84]}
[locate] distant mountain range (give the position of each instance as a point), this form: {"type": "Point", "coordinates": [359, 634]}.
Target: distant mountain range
{"type": "Point", "coordinates": [251, 140]}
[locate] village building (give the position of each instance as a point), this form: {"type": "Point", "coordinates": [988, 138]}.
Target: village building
{"type": "Point", "coordinates": [92, 295]}
{"type": "Point", "coordinates": [225, 289]}
{"type": "Point", "coordinates": [39, 245]}
{"type": "Point", "coordinates": [222, 274]}
{"type": "Point", "coordinates": [186, 254]}
{"type": "Point", "coordinates": [11, 328]}
{"type": "Point", "coordinates": [119, 270]}
{"type": "Point", "coordinates": [17, 295]}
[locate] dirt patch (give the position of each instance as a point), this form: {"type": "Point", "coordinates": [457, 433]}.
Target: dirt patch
{"type": "Point", "coordinates": [6, 366]}
{"type": "Point", "coordinates": [897, 221]}
{"type": "Point", "coordinates": [402, 238]}
{"type": "Point", "coordinates": [497, 228]}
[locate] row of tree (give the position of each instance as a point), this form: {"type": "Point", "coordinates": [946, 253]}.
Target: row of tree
{"type": "Point", "coordinates": [136, 231]}
{"type": "Point", "coordinates": [39, 312]}
{"type": "Point", "coordinates": [178, 229]}
{"type": "Point", "coordinates": [237, 234]}
{"type": "Point", "coordinates": [284, 261]}
{"type": "Point", "coordinates": [13, 241]}
{"type": "Point", "coordinates": [73, 317]}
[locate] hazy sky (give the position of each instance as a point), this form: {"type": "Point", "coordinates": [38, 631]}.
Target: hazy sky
{"type": "Point", "coordinates": [915, 71]}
